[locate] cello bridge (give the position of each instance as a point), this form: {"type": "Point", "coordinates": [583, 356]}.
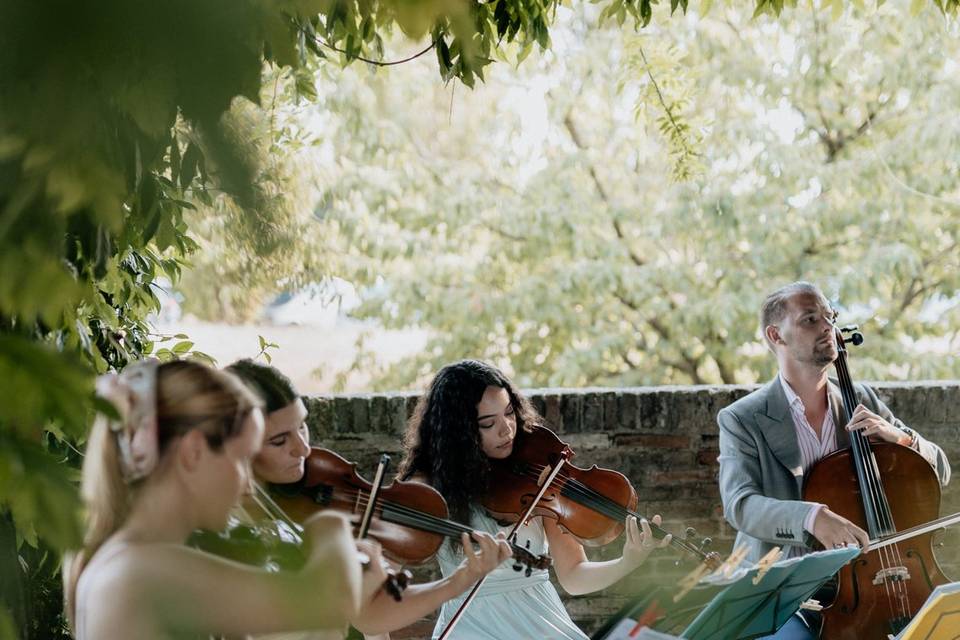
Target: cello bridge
{"type": "Point", "coordinates": [890, 575]}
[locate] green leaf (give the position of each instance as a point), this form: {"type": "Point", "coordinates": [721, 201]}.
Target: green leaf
{"type": "Point", "coordinates": [182, 347]}
{"type": "Point", "coordinates": [40, 384]}
{"type": "Point", "coordinates": [7, 629]}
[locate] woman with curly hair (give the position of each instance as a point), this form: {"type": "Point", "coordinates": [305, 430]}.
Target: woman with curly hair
{"type": "Point", "coordinates": [280, 465]}
{"type": "Point", "coordinates": [472, 413]}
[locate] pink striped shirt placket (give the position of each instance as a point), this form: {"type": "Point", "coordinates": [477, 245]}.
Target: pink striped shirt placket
{"type": "Point", "coordinates": [812, 448]}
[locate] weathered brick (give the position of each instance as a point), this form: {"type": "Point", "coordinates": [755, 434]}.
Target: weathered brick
{"type": "Point", "coordinates": [396, 412]}
{"type": "Point", "coordinates": [320, 417]}
{"type": "Point", "coordinates": [592, 417]}
{"type": "Point", "coordinates": [707, 456]}
{"type": "Point", "coordinates": [570, 413]}
{"type": "Point", "coordinates": [551, 409]}
{"type": "Point", "coordinates": [611, 411]}
{"type": "Point", "coordinates": [651, 441]}
{"type": "Point", "coordinates": [627, 410]}
{"type": "Point", "coordinates": [343, 415]}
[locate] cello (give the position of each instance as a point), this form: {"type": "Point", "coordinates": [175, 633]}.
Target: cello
{"type": "Point", "coordinates": [879, 486]}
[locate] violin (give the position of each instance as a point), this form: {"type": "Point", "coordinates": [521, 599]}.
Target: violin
{"type": "Point", "coordinates": [274, 546]}
{"type": "Point", "coordinates": [536, 479]}
{"type": "Point", "coordinates": [410, 519]}
{"type": "Point", "coordinates": [879, 486]}
{"type": "Point", "coordinates": [590, 504]}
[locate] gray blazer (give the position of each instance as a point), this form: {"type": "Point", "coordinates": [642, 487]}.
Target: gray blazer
{"type": "Point", "coordinates": [760, 474]}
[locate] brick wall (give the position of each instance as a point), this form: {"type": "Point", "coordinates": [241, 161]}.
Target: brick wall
{"type": "Point", "coordinates": [664, 439]}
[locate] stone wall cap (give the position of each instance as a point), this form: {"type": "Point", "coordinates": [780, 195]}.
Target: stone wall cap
{"type": "Point", "coordinates": [667, 388]}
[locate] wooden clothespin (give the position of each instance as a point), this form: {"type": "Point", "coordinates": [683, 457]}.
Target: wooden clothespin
{"type": "Point", "coordinates": [733, 561]}
{"type": "Point", "coordinates": [691, 580]}
{"type": "Point", "coordinates": [811, 605]}
{"type": "Point", "coordinates": [765, 563]}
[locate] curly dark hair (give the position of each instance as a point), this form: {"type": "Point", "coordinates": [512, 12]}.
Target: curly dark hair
{"type": "Point", "coordinates": [443, 436]}
{"type": "Point", "coordinates": [274, 389]}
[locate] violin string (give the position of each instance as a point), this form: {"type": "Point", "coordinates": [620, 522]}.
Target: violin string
{"type": "Point", "coordinates": [409, 516]}
{"type": "Point", "coordinates": [433, 524]}
{"type": "Point", "coordinates": [263, 500]}
{"type": "Point", "coordinates": [604, 505]}
{"type": "Point", "coordinates": [883, 524]}
{"type": "Point", "coordinates": [608, 507]}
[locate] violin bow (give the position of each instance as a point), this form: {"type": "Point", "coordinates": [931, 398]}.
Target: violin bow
{"type": "Point", "coordinates": [374, 496]}
{"type": "Point", "coordinates": [511, 538]}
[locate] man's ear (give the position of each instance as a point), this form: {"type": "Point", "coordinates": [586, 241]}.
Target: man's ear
{"type": "Point", "coordinates": [192, 450]}
{"type": "Point", "coordinates": [772, 333]}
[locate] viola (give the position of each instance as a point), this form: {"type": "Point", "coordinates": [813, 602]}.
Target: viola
{"type": "Point", "coordinates": [410, 519]}
{"type": "Point", "coordinates": [590, 504]}
{"type": "Point", "coordinates": [878, 486]}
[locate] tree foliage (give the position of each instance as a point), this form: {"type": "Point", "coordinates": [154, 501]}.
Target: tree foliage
{"type": "Point", "coordinates": [818, 149]}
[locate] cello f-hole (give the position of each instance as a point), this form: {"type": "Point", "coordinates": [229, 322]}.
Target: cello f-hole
{"type": "Point", "coordinates": [923, 566]}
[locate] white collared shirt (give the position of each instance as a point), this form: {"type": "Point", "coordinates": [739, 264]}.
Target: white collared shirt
{"type": "Point", "coordinates": [812, 447]}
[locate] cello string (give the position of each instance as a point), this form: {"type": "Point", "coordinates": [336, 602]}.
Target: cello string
{"type": "Point", "coordinates": [859, 446]}
{"type": "Point", "coordinates": [881, 518]}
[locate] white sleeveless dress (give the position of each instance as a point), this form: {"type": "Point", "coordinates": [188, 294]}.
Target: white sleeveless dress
{"type": "Point", "coordinates": [509, 605]}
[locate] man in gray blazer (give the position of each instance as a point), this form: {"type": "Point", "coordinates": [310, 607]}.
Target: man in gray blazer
{"type": "Point", "coordinates": [772, 437]}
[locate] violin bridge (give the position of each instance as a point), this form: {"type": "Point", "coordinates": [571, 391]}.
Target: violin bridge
{"type": "Point", "coordinates": [544, 475]}
{"type": "Point", "coordinates": [357, 507]}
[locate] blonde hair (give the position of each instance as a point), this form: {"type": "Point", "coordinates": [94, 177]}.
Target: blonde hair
{"type": "Point", "coordinates": [189, 396]}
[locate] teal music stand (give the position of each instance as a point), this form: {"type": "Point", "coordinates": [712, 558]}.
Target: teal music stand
{"type": "Point", "coordinates": [744, 610]}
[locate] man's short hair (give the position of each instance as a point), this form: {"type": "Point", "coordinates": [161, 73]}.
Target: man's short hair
{"type": "Point", "coordinates": [774, 307]}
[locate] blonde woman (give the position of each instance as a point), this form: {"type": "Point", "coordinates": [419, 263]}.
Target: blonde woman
{"type": "Point", "coordinates": [177, 460]}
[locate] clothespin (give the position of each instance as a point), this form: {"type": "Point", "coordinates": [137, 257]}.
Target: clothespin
{"type": "Point", "coordinates": [690, 580]}
{"type": "Point", "coordinates": [765, 563]}
{"type": "Point", "coordinates": [733, 561]}
{"type": "Point", "coordinates": [811, 605]}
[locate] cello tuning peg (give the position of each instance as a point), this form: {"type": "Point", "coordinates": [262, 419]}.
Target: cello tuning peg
{"type": "Point", "coordinates": [690, 532]}
{"type": "Point", "coordinates": [855, 336]}
{"type": "Point", "coordinates": [706, 542]}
